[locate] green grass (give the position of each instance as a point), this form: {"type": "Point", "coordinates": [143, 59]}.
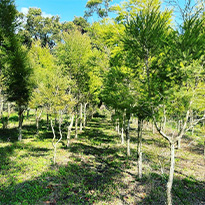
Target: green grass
{"type": "Point", "coordinates": [95, 168]}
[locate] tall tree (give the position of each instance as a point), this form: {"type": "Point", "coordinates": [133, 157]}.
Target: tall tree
{"type": "Point", "coordinates": [16, 66]}
{"type": "Point", "coordinates": [145, 33]}
{"type": "Point", "coordinates": [37, 27]}
{"type": "Point", "coordinates": [100, 7]}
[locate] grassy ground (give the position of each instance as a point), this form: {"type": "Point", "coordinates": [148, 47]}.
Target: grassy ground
{"type": "Point", "coordinates": [95, 169]}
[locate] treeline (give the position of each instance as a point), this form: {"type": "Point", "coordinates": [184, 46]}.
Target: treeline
{"type": "Point", "coordinates": [140, 64]}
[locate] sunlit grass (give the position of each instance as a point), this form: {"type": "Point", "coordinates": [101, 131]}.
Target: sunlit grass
{"type": "Point", "coordinates": [95, 168]}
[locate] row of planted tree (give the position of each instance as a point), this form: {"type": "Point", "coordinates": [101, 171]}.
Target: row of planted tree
{"type": "Point", "coordinates": [139, 64]}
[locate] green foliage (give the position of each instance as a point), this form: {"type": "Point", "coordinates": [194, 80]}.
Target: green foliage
{"type": "Point", "coordinates": [81, 23]}
{"type": "Point", "coordinates": [37, 27]}
{"type": "Point", "coordinates": [52, 87]}
{"type": "Point", "coordinates": [100, 7]}
{"type": "Point", "coordinates": [15, 65]}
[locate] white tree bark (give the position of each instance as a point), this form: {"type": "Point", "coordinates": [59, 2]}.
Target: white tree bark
{"type": "Point", "coordinates": [122, 135]}
{"type": "Point", "coordinates": [76, 126]}
{"type": "Point", "coordinates": [140, 125]}
{"type": "Point", "coordinates": [69, 130]}
{"type": "Point", "coordinates": [54, 137]}
{"type": "Point", "coordinates": [85, 116]}
{"type": "Point", "coordinates": [81, 117]}
{"type": "Point", "coordinates": [171, 174]}
{"type": "Point", "coordinates": [128, 137]}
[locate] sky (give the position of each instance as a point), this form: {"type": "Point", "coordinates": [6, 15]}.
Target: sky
{"type": "Point", "coordinates": [66, 9]}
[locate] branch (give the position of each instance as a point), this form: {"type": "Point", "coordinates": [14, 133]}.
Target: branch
{"type": "Point", "coordinates": [160, 131]}
{"type": "Point", "coordinates": [54, 136]}
{"type": "Point", "coordinates": [195, 123]}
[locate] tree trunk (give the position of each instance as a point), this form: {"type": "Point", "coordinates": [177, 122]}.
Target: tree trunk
{"type": "Point", "coordinates": [84, 119]}
{"type": "Point", "coordinates": [153, 131]}
{"type": "Point", "coordinates": [28, 110]}
{"type": "Point", "coordinates": [165, 119]}
{"type": "Point", "coordinates": [38, 117]}
{"type": "Point", "coordinates": [171, 174]}
{"type": "Point", "coordinates": [179, 143]}
{"type": "Point", "coordinates": [122, 135]}
{"type": "Point", "coordinates": [204, 149]}
{"type": "Point", "coordinates": [20, 118]}
{"type": "Point", "coordinates": [1, 106]}
{"type": "Point", "coordinates": [128, 137]}
{"type": "Point", "coordinates": [54, 137]}
{"type": "Point", "coordinates": [76, 126]}
{"type": "Point", "coordinates": [140, 124]}
{"type": "Point", "coordinates": [81, 117]}
{"type": "Point", "coordinates": [47, 121]}
{"type": "Point", "coordinates": [192, 121]}
{"type": "Point", "coordinates": [54, 155]}
{"type": "Point", "coordinates": [69, 130]}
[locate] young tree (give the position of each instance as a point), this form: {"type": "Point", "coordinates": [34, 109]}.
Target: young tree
{"type": "Point", "coordinates": [145, 33]}
{"type": "Point", "coordinates": [16, 66]}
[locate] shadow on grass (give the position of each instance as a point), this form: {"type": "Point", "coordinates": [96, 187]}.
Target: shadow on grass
{"type": "Point", "coordinates": [82, 183]}
{"type": "Point", "coordinates": [97, 136]}
{"type": "Point", "coordinates": [184, 191]}
{"type": "Point", "coordinates": [9, 135]}
{"type": "Point", "coordinates": [94, 174]}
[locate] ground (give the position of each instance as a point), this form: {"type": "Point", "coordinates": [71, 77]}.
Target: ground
{"type": "Point", "coordinates": [95, 168]}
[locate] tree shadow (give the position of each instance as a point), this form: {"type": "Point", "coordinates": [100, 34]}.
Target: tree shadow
{"type": "Point", "coordinates": [96, 135]}
{"type": "Point", "coordinates": [184, 191]}
{"type": "Point", "coordinates": [9, 135]}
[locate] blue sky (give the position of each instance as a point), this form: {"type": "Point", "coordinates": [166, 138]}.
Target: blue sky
{"type": "Point", "coordinates": [66, 9]}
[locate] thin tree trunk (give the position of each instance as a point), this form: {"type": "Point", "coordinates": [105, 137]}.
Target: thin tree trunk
{"type": "Point", "coordinates": [128, 137]}
{"type": "Point", "coordinates": [153, 131]}
{"type": "Point", "coordinates": [179, 143]}
{"type": "Point", "coordinates": [118, 128]}
{"type": "Point", "coordinates": [85, 117]}
{"type": "Point", "coordinates": [192, 121]}
{"type": "Point", "coordinates": [1, 107]}
{"type": "Point", "coordinates": [171, 174]}
{"type": "Point", "coordinates": [140, 148]}
{"type": "Point", "coordinates": [20, 116]}
{"type": "Point", "coordinates": [122, 135]}
{"type": "Point", "coordinates": [28, 110]}
{"type": "Point", "coordinates": [54, 137]}
{"type": "Point", "coordinates": [69, 130]}
{"type": "Point", "coordinates": [47, 121]}
{"type": "Point", "coordinates": [164, 119]}
{"type": "Point", "coordinates": [76, 126]}
{"type": "Point", "coordinates": [204, 149]}
{"type": "Point", "coordinates": [81, 117]}
{"type": "Point", "coordinates": [37, 120]}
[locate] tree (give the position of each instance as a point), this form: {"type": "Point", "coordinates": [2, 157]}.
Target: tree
{"type": "Point", "coordinates": [16, 66]}
{"type": "Point", "coordinates": [7, 30]}
{"type": "Point", "coordinates": [173, 68]}
{"type": "Point", "coordinates": [82, 24]}
{"type": "Point", "coordinates": [118, 94]}
{"type": "Point", "coordinates": [100, 7]}
{"type": "Point", "coordinates": [37, 27]}
{"type": "Point", "coordinates": [73, 54]}
{"type": "Point", "coordinates": [145, 33]}
{"type": "Point", "coordinates": [187, 60]}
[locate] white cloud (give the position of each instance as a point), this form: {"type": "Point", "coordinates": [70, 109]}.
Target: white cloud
{"type": "Point", "coordinates": [24, 10]}
{"type": "Point", "coordinates": [44, 14]}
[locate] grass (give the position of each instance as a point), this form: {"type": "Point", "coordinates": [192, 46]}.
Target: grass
{"type": "Point", "coordinates": [95, 168]}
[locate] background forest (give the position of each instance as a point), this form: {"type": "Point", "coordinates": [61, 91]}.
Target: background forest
{"type": "Point", "coordinates": [105, 113]}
